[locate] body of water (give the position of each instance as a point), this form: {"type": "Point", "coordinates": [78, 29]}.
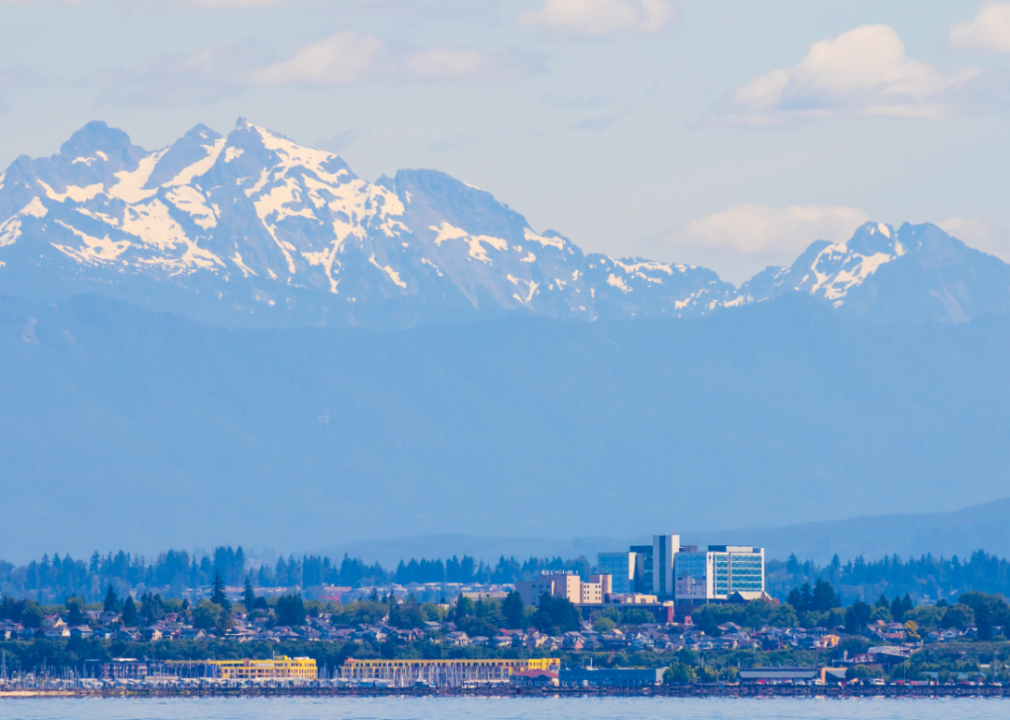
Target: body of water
{"type": "Point", "coordinates": [612, 708]}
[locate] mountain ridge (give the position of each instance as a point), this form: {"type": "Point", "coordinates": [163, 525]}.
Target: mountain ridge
{"type": "Point", "coordinates": [253, 229]}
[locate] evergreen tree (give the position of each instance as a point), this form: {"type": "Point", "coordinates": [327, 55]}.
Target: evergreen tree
{"type": "Point", "coordinates": [897, 609]}
{"type": "Point", "coordinates": [807, 597]}
{"type": "Point", "coordinates": [111, 600]}
{"type": "Point", "coordinates": [218, 597]}
{"type": "Point", "coordinates": [290, 610]}
{"type": "Point", "coordinates": [824, 597]}
{"type": "Point", "coordinates": [129, 612]}
{"type": "Point", "coordinates": [796, 600]}
{"type": "Point", "coordinates": [515, 616]}
{"type": "Point", "coordinates": [248, 596]}
{"type": "Point", "coordinates": [857, 617]}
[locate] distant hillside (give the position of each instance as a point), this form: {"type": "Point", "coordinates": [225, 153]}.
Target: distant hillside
{"type": "Point", "coordinates": [961, 532]}
{"type": "Point", "coordinates": [120, 426]}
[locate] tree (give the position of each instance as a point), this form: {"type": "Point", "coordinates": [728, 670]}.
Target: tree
{"type": "Point", "coordinates": [464, 609]}
{"type": "Point", "coordinates": [248, 596]}
{"type": "Point", "coordinates": [32, 615]}
{"type": "Point", "coordinates": [806, 597]}
{"type": "Point", "coordinates": [290, 610]}
{"type": "Point", "coordinates": [129, 612]}
{"type": "Point", "coordinates": [783, 617]}
{"type": "Point", "coordinates": [111, 600]}
{"type": "Point", "coordinates": [152, 609]}
{"type": "Point", "coordinates": [555, 616]}
{"type": "Point", "coordinates": [957, 616]}
{"type": "Point", "coordinates": [897, 609]}
{"type": "Point", "coordinates": [857, 617]}
{"type": "Point", "coordinates": [407, 615]}
{"type": "Point", "coordinates": [795, 599]}
{"type": "Point", "coordinates": [603, 624]}
{"type": "Point", "coordinates": [912, 630]}
{"type": "Point", "coordinates": [218, 597]}
{"type": "Point", "coordinates": [881, 613]}
{"type": "Point", "coordinates": [515, 613]}
{"type": "Point", "coordinates": [678, 674]}
{"type": "Point", "coordinates": [824, 597]}
{"type": "Point", "coordinates": [990, 610]}
{"type": "Point", "coordinates": [206, 614]}
{"type": "Point", "coordinates": [75, 610]}
{"type": "Point", "coordinates": [637, 616]}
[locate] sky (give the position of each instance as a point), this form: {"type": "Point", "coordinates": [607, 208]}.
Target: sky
{"type": "Point", "coordinates": [723, 133]}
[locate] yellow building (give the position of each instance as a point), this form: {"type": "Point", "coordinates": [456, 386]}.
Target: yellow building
{"type": "Point", "coordinates": [279, 668]}
{"type": "Point", "coordinates": [442, 673]}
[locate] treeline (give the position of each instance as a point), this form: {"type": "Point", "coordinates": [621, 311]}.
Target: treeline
{"type": "Point", "coordinates": [928, 577]}
{"type": "Point", "coordinates": [49, 580]}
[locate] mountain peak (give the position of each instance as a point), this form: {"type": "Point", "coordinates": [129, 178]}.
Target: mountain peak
{"type": "Point", "coordinates": [254, 227]}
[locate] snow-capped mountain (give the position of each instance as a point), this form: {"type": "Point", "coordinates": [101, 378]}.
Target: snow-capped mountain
{"type": "Point", "coordinates": [253, 225]}
{"type": "Point", "coordinates": [255, 229]}
{"type": "Point", "coordinates": [916, 273]}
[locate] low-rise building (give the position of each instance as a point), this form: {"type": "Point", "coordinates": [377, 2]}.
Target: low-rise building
{"type": "Point", "coordinates": [535, 679]}
{"type": "Point", "coordinates": [567, 585]}
{"type": "Point", "coordinates": [610, 677]}
{"type": "Point", "coordinates": [441, 673]}
{"type": "Point", "coordinates": [281, 667]}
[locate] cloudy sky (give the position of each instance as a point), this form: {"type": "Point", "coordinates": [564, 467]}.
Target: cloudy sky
{"type": "Point", "coordinates": [725, 133]}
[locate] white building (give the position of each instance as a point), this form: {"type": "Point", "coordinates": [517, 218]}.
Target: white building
{"type": "Point", "coordinates": [682, 573]}
{"type": "Point", "coordinates": [718, 573]}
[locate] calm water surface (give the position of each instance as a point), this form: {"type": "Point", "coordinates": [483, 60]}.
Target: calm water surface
{"type": "Point", "coordinates": [504, 709]}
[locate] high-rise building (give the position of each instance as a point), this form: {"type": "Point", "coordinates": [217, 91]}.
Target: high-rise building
{"type": "Point", "coordinates": [719, 572]}
{"type": "Point", "coordinates": [664, 552]}
{"type": "Point", "coordinates": [643, 568]}
{"type": "Point", "coordinates": [621, 567]}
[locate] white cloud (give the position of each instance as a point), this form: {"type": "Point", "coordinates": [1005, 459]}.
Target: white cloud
{"type": "Point", "coordinates": [593, 18]}
{"type": "Point", "coordinates": [862, 72]}
{"type": "Point", "coordinates": [460, 64]}
{"type": "Point", "coordinates": [988, 32]}
{"type": "Point", "coordinates": [743, 240]}
{"type": "Point", "coordinates": [753, 229]}
{"type": "Point", "coordinates": [983, 235]}
{"type": "Point", "coordinates": [348, 57]}
{"type": "Point", "coordinates": [341, 59]}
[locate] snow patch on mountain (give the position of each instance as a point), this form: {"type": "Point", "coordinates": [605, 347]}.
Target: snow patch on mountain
{"type": "Point", "coordinates": [255, 223]}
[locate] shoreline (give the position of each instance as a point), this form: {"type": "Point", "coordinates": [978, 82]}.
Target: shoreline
{"type": "Point", "coordinates": [727, 691]}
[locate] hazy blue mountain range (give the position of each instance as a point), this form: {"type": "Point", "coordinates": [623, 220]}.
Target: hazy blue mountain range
{"type": "Point", "coordinates": [121, 426]}
{"type": "Point", "coordinates": [252, 229]}
{"type": "Point", "coordinates": [959, 532]}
